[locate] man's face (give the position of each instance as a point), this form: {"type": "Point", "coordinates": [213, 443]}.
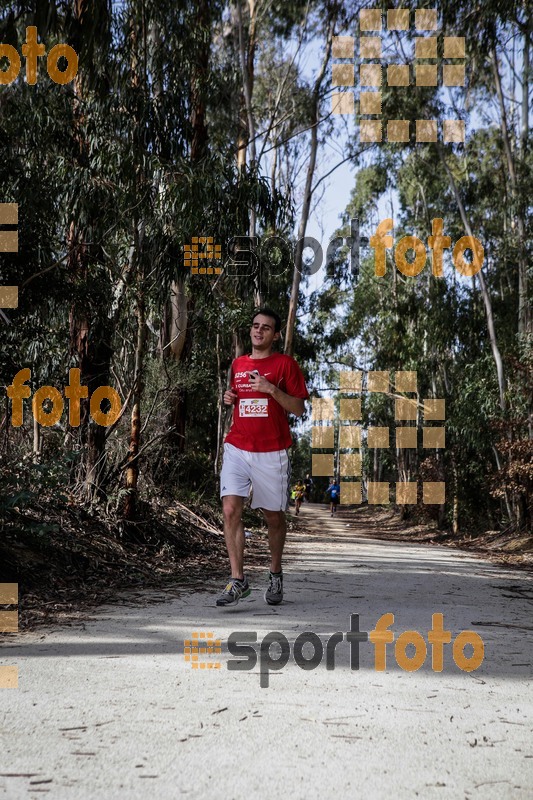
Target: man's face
{"type": "Point", "coordinates": [263, 332]}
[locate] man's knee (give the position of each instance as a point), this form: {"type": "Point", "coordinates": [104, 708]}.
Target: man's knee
{"type": "Point", "coordinates": [231, 508]}
{"type": "Point", "coordinates": [273, 518]}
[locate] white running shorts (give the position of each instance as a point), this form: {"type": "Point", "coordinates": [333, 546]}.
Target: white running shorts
{"type": "Point", "coordinates": [267, 473]}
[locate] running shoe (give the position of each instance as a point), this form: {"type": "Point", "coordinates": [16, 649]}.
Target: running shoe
{"type": "Point", "coordinates": [234, 591]}
{"type": "Point", "coordinates": [274, 593]}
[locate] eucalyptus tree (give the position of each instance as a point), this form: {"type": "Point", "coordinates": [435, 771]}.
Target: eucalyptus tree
{"type": "Point", "coordinates": [439, 326]}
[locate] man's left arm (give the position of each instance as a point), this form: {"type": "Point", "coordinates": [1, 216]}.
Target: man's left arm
{"type": "Point", "coordinates": [294, 405]}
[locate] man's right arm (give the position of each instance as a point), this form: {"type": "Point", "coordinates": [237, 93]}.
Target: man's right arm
{"type": "Point", "coordinates": [230, 397]}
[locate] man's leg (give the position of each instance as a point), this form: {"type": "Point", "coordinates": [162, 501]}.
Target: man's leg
{"type": "Point", "coordinates": [277, 531]}
{"type": "Point", "coordinates": [234, 533]}
{"type": "Point", "coordinates": [270, 483]}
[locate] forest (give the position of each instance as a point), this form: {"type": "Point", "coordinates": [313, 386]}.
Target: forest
{"type": "Point", "coordinates": [168, 190]}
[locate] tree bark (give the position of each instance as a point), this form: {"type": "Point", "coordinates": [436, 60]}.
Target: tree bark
{"type": "Point", "coordinates": [484, 290]}
{"type": "Point", "coordinates": [246, 49]}
{"type": "Point", "coordinates": [138, 85]}
{"type": "Point", "coordinates": [132, 471]}
{"type": "Point", "coordinates": [246, 137]}
{"type": "Point", "coordinates": [308, 194]}
{"type": "Point", "coordinates": [199, 80]}
{"type": "Point", "coordinates": [90, 330]}
{"type": "Point", "coordinates": [524, 309]}
{"type": "Point", "coordinates": [175, 341]}
{"type": "Point", "coordinates": [175, 321]}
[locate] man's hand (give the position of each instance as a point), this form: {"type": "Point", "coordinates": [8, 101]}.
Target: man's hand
{"type": "Point", "coordinates": [260, 383]}
{"type": "Point", "coordinates": [230, 397]}
{"type": "Point", "coordinates": [294, 405]}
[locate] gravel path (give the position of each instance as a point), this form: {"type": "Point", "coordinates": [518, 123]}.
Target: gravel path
{"type": "Point", "coordinates": [110, 708]}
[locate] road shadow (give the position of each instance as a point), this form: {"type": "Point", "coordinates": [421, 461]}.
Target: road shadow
{"type": "Point", "coordinates": [331, 572]}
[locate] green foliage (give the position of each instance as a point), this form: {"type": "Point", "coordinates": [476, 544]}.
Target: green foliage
{"type": "Point", "coordinates": [110, 191]}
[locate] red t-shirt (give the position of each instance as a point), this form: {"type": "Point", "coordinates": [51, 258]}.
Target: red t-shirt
{"type": "Point", "coordinates": [260, 424]}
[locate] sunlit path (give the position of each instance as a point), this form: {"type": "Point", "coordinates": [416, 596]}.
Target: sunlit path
{"type": "Point", "coordinates": [109, 707]}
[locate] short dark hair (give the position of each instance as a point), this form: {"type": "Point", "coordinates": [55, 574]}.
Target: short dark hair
{"type": "Point", "coordinates": [268, 312]}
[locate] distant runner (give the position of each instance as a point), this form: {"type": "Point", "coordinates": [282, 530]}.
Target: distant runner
{"type": "Point", "coordinates": [308, 487]}
{"type": "Point", "coordinates": [265, 386]}
{"type": "Point", "coordinates": [299, 491]}
{"type": "Point", "coordinates": [334, 491]}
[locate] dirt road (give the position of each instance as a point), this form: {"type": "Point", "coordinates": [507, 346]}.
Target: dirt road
{"type": "Point", "coordinates": [110, 708]}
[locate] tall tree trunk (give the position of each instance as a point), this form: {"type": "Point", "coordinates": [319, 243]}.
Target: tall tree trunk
{"type": "Point", "coordinates": [455, 498]}
{"type": "Point", "coordinates": [484, 289]}
{"type": "Point", "coordinates": [246, 49]}
{"type": "Point", "coordinates": [308, 194]}
{"type": "Point", "coordinates": [488, 309]}
{"type": "Point", "coordinates": [175, 322]}
{"type": "Point", "coordinates": [36, 441]}
{"type": "Point", "coordinates": [199, 79]}
{"type": "Point", "coordinates": [273, 168]}
{"type": "Point", "coordinates": [132, 471]}
{"type": "Point", "coordinates": [246, 137]}
{"type": "Point", "coordinates": [90, 330]}
{"type": "Point", "coordinates": [176, 334]}
{"type": "Point", "coordinates": [175, 344]}
{"type": "Point", "coordinates": [524, 308]}
{"type": "Point", "coordinates": [139, 94]}
{"type": "Point", "coordinates": [94, 361]}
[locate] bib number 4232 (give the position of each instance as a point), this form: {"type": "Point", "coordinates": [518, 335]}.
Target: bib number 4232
{"type": "Point", "coordinates": [253, 407]}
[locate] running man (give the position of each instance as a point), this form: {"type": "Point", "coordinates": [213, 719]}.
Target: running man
{"type": "Point", "coordinates": [334, 491]}
{"type": "Point", "coordinates": [308, 487]}
{"type": "Point", "coordinates": [265, 387]}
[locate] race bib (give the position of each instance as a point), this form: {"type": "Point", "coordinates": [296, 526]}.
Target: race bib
{"type": "Point", "coordinates": [253, 407]}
